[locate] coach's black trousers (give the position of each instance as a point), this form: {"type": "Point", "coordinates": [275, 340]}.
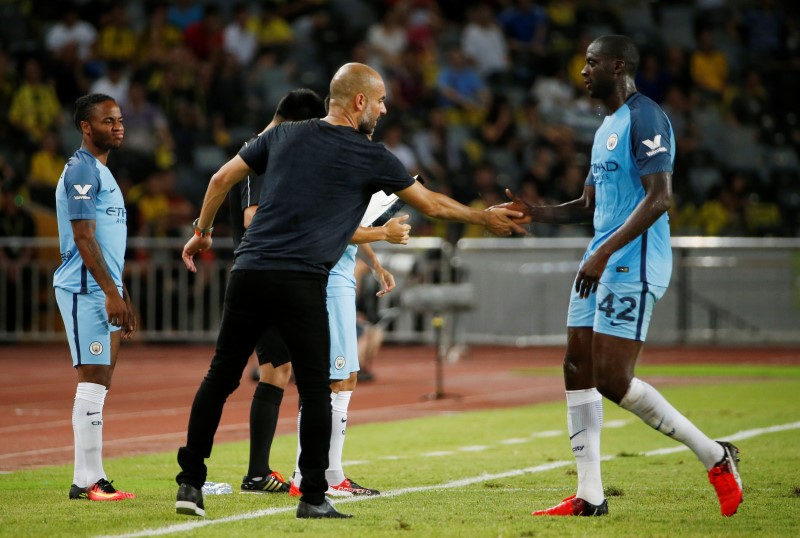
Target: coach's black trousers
{"type": "Point", "coordinates": [294, 303]}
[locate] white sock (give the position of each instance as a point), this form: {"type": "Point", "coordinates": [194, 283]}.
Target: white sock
{"type": "Point", "coordinates": [339, 403]}
{"type": "Point", "coordinates": [584, 423]}
{"type": "Point", "coordinates": [87, 429]}
{"type": "Point", "coordinates": [649, 405]}
{"type": "Point", "coordinates": [296, 476]}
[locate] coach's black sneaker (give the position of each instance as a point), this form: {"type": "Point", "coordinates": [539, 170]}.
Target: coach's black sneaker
{"type": "Point", "coordinates": [272, 483]}
{"type": "Point", "coordinates": [77, 492]}
{"type": "Point", "coordinates": [319, 511]}
{"type": "Point", "coordinates": [190, 501]}
{"type": "Point", "coordinates": [574, 506]}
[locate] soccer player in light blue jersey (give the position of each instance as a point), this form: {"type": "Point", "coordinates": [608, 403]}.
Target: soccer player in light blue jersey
{"type": "Point", "coordinates": [624, 272]}
{"type": "Point", "coordinates": [94, 304]}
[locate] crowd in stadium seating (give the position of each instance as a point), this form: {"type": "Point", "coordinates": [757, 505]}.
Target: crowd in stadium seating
{"type": "Point", "coordinates": [482, 95]}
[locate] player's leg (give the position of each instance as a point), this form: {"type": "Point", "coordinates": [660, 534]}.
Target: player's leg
{"type": "Point", "coordinates": [344, 377]}
{"type": "Point", "coordinates": [341, 392]}
{"type": "Point", "coordinates": [94, 351]}
{"type": "Point", "coordinates": [584, 413]}
{"type": "Point", "coordinates": [274, 373]}
{"type": "Point", "coordinates": [617, 346]}
{"type": "Point", "coordinates": [340, 484]}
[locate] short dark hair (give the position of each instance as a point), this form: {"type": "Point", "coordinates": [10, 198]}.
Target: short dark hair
{"type": "Point", "coordinates": [302, 104]}
{"type": "Point", "coordinates": [84, 106]}
{"type": "Point", "coordinates": [621, 47]}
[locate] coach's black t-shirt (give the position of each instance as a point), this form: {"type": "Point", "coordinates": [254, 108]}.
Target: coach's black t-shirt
{"type": "Point", "coordinates": [319, 180]}
{"type": "Point", "coordinates": [240, 197]}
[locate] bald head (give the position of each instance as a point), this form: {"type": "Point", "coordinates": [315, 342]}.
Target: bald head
{"type": "Point", "coordinates": [357, 97]}
{"type": "Point", "coordinates": [352, 79]}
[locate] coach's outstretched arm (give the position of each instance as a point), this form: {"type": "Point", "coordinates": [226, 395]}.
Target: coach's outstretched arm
{"type": "Point", "coordinates": [437, 205]}
{"type": "Point", "coordinates": [231, 173]}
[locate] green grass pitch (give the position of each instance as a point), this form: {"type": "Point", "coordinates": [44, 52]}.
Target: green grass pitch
{"type": "Point", "coordinates": [474, 474]}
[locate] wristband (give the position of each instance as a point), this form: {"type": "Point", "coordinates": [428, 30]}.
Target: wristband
{"type": "Point", "coordinates": [201, 232]}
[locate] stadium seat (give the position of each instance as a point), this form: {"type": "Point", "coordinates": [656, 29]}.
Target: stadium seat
{"type": "Point", "coordinates": [677, 24]}
{"type": "Point", "coordinates": [208, 158]}
{"type": "Point", "coordinates": [702, 179]}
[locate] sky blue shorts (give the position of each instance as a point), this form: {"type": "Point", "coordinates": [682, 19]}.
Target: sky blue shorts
{"type": "Point", "coordinates": [344, 340]}
{"type": "Point", "coordinates": [86, 323]}
{"type": "Point", "coordinates": [620, 309]}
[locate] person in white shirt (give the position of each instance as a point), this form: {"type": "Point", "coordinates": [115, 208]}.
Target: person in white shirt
{"type": "Point", "coordinates": [114, 83]}
{"type": "Point", "coordinates": [392, 138]}
{"type": "Point", "coordinates": [237, 39]}
{"type": "Point", "coordinates": [71, 29]}
{"type": "Point", "coordinates": [484, 44]}
{"type": "Point", "coordinates": [386, 41]}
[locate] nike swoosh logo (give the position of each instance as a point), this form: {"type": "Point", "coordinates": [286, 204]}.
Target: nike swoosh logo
{"type": "Point", "coordinates": [344, 420]}
{"type": "Point", "coordinates": [112, 190]}
{"type": "Point", "coordinates": [89, 413]}
{"type": "Point", "coordinates": [576, 433]}
{"type": "Point", "coordinates": [618, 323]}
{"type": "Point", "coordinates": [111, 496]}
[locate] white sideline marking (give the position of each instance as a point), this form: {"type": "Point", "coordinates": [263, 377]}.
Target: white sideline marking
{"type": "Point", "coordinates": [478, 448]}
{"type": "Point", "coordinates": [514, 441]}
{"type": "Point", "coordinates": [549, 433]}
{"type": "Point", "coordinates": [191, 525]}
{"type": "Point", "coordinates": [474, 448]}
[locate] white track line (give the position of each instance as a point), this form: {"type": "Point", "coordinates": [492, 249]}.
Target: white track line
{"type": "Point", "coordinates": [181, 435]}
{"type": "Point", "coordinates": [196, 524]}
{"type": "Point", "coordinates": [479, 448]}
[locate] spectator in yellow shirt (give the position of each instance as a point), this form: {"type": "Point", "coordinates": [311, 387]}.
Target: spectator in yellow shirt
{"type": "Point", "coordinates": [271, 29]}
{"type": "Point", "coordinates": [117, 40]}
{"type": "Point", "coordinates": [708, 66]}
{"type": "Point", "coordinates": [45, 168]}
{"type": "Point", "coordinates": [158, 36]}
{"type": "Point", "coordinates": [34, 108]}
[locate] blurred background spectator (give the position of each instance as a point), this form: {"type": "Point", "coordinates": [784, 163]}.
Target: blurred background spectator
{"type": "Point", "coordinates": [482, 95]}
{"type": "Point", "coordinates": [16, 221]}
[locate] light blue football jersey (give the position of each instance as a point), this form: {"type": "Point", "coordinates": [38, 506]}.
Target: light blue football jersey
{"type": "Point", "coordinates": [87, 190]}
{"type": "Point", "coordinates": [342, 280]}
{"type": "Point", "coordinates": [635, 141]}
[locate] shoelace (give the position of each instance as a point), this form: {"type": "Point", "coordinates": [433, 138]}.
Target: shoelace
{"type": "Point", "coordinates": [106, 486]}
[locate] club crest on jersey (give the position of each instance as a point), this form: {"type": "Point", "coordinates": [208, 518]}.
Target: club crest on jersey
{"type": "Point", "coordinates": [95, 348]}
{"type": "Point", "coordinates": [82, 190]}
{"type": "Point", "coordinates": [654, 146]}
{"type": "Point", "coordinates": [339, 362]}
{"type": "Point", "coordinates": [611, 143]}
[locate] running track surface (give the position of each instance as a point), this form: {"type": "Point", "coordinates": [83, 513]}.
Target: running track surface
{"type": "Point", "coordinates": [148, 406]}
